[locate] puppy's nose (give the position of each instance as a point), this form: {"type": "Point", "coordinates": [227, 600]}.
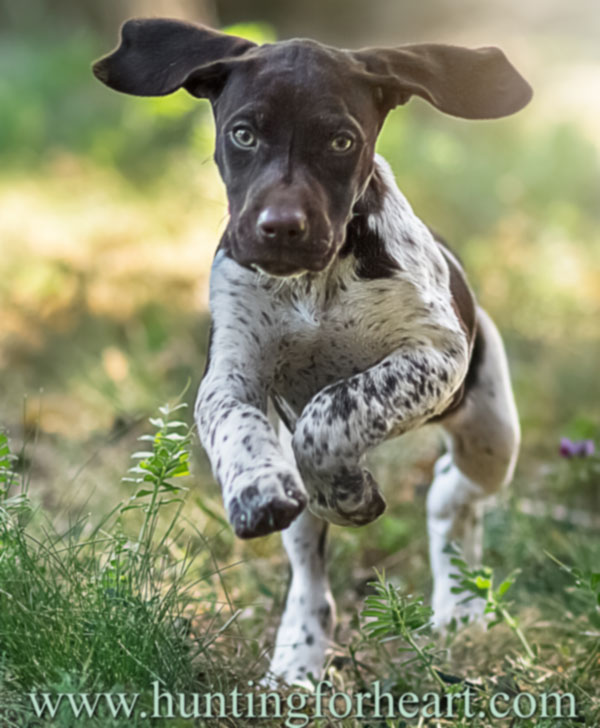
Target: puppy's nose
{"type": "Point", "coordinates": [282, 225]}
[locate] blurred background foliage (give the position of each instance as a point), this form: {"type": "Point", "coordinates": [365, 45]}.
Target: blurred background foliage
{"type": "Point", "coordinates": [111, 208]}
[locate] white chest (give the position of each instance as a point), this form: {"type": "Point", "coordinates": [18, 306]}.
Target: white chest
{"type": "Point", "coordinates": [323, 341]}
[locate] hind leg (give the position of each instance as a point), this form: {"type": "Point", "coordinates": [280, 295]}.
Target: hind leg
{"type": "Point", "coordinates": [307, 624]}
{"type": "Point", "coordinates": [483, 441]}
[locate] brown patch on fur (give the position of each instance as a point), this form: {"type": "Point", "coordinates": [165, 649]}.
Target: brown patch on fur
{"type": "Point", "coordinates": [463, 302]}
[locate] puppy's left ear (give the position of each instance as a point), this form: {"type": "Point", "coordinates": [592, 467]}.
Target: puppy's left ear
{"type": "Point", "coordinates": [157, 56]}
{"type": "Point", "coordinates": [472, 84]}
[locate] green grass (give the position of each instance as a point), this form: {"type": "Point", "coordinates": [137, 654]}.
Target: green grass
{"type": "Point", "coordinates": [106, 607]}
{"type": "Point", "coordinates": [141, 596]}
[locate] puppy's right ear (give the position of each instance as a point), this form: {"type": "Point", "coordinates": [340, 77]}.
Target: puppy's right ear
{"type": "Point", "coordinates": [157, 56]}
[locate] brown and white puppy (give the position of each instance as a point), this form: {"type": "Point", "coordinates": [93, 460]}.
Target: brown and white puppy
{"type": "Point", "coordinates": [332, 300]}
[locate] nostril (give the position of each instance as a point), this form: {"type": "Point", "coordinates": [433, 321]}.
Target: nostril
{"type": "Point", "coordinates": [297, 227]}
{"type": "Point", "coordinates": [268, 231]}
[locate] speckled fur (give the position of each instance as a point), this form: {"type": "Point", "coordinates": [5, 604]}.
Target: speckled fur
{"type": "Point", "coordinates": [349, 362]}
{"type": "Point", "coordinates": [307, 625]}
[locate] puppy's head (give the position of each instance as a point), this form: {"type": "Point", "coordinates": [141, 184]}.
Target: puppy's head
{"type": "Point", "coordinates": [297, 121]}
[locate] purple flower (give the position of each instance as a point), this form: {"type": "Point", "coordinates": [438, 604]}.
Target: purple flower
{"type": "Point", "coordinates": [576, 448]}
{"type": "Point", "coordinates": [567, 448]}
{"type": "Point", "coordinates": [587, 448]}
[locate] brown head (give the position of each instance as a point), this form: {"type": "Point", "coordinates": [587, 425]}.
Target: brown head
{"type": "Point", "coordinates": [297, 121]}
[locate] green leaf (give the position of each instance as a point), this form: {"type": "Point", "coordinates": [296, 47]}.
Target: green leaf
{"type": "Point", "coordinates": [142, 494]}
{"type": "Point", "coordinates": [504, 587]}
{"type": "Point", "coordinates": [181, 472]}
{"type": "Point", "coordinates": [174, 437]}
{"type": "Point", "coordinates": [170, 500]}
{"type": "Point", "coordinates": [375, 630]}
{"type": "Point", "coordinates": [129, 508]}
{"type": "Point", "coordinates": [483, 583]}
{"type": "Point", "coordinates": [373, 612]}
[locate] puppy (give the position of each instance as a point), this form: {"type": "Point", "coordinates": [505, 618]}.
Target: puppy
{"type": "Point", "coordinates": [338, 319]}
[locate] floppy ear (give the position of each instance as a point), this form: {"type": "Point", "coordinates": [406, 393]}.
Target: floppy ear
{"type": "Point", "coordinates": [472, 84]}
{"type": "Point", "coordinates": [157, 56]}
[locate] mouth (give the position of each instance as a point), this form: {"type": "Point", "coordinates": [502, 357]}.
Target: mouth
{"type": "Point", "coordinates": [278, 270]}
{"type": "Point", "coordinates": [285, 263]}
{"type": "Point", "coordinates": [281, 268]}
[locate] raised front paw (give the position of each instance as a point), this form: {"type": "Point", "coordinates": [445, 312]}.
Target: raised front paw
{"type": "Point", "coordinates": [268, 502]}
{"type": "Point", "coordinates": [349, 498]}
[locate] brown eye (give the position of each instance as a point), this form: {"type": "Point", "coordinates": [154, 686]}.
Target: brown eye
{"type": "Point", "coordinates": [342, 143]}
{"type": "Point", "coordinates": [243, 137]}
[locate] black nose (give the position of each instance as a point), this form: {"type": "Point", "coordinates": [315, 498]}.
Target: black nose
{"type": "Point", "coordinates": [282, 225]}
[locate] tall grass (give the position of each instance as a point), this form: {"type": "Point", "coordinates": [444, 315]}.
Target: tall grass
{"type": "Point", "coordinates": [92, 609]}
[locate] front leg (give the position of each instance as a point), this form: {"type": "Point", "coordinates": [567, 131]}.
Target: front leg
{"type": "Point", "coordinates": [347, 418]}
{"type": "Point", "coordinates": [262, 491]}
